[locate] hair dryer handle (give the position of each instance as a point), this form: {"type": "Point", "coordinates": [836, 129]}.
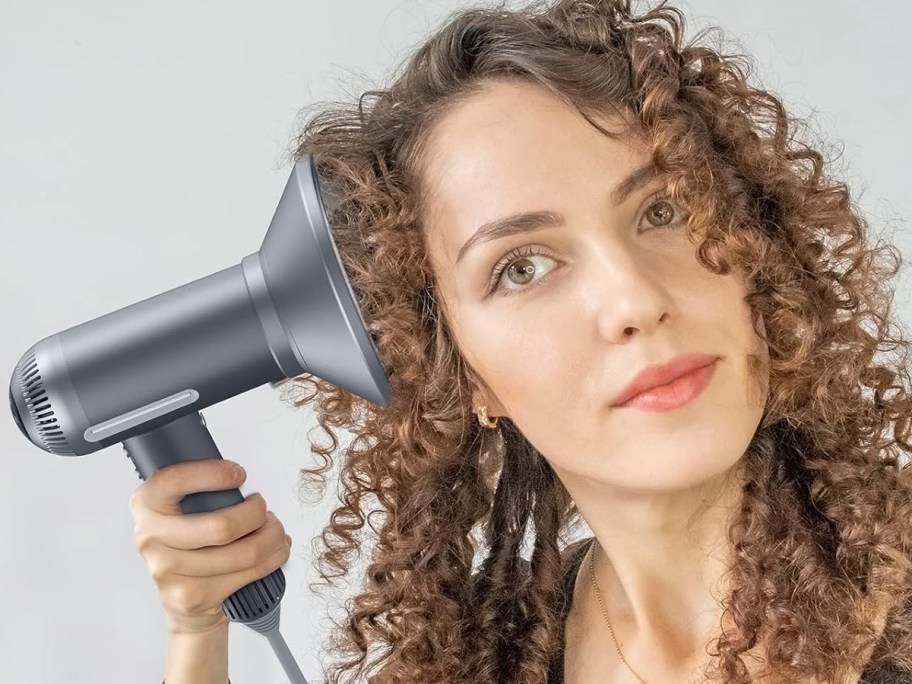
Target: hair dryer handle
{"type": "Point", "coordinates": [186, 439]}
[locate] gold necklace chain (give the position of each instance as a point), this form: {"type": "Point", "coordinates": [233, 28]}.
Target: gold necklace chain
{"type": "Point", "coordinates": [598, 595]}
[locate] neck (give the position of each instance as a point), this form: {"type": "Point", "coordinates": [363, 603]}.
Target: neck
{"type": "Point", "coordinates": [660, 564]}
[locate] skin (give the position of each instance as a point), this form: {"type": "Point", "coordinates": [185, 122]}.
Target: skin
{"type": "Point", "coordinates": [611, 293]}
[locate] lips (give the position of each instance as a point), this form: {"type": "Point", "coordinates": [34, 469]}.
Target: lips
{"type": "Point", "coordinates": [663, 373]}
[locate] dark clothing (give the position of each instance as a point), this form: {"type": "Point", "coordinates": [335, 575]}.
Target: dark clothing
{"type": "Point", "coordinates": [885, 674]}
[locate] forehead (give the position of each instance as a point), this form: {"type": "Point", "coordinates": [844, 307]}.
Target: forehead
{"type": "Point", "coordinates": [511, 148]}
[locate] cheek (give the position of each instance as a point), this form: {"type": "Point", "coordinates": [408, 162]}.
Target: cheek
{"type": "Point", "coordinates": [527, 369]}
{"type": "Point", "coordinates": [540, 384]}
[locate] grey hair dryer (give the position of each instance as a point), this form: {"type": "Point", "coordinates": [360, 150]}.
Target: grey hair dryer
{"type": "Point", "coordinates": [141, 374]}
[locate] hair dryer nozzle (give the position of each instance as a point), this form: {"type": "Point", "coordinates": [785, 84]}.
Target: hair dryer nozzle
{"type": "Point", "coordinates": [311, 293]}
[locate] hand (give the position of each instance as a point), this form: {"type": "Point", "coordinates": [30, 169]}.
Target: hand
{"type": "Point", "coordinates": [197, 560]}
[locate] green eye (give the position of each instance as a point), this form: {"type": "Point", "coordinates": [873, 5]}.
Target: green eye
{"type": "Point", "coordinates": [665, 218]}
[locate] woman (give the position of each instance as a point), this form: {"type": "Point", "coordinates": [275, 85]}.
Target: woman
{"type": "Point", "coordinates": [757, 527]}
{"type": "Point", "coordinates": [765, 522]}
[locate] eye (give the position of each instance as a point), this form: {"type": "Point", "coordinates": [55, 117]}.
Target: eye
{"type": "Point", "coordinates": [514, 263]}
{"type": "Point", "coordinates": [514, 260]}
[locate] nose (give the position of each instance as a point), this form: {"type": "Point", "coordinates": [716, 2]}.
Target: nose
{"type": "Point", "coordinates": [630, 295]}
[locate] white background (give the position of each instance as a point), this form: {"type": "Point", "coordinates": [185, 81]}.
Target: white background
{"type": "Point", "coordinates": [143, 145]}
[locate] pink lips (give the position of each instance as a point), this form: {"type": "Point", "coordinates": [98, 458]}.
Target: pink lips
{"type": "Point", "coordinates": [667, 386]}
{"type": "Point", "coordinates": [674, 395]}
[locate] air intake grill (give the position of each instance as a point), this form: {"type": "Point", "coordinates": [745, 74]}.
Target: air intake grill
{"type": "Point", "coordinates": [40, 411]}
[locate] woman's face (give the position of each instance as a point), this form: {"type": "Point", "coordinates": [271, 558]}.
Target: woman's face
{"type": "Point", "coordinates": [588, 303]}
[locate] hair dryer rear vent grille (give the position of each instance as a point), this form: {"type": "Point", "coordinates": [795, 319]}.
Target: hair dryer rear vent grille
{"type": "Point", "coordinates": [39, 406]}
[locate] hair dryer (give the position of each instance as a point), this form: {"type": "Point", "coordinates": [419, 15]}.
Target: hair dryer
{"type": "Point", "coordinates": [141, 374]}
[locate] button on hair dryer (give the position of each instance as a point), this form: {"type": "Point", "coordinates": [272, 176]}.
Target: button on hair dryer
{"type": "Point", "coordinates": [140, 375]}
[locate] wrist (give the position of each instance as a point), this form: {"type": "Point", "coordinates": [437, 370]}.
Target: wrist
{"type": "Point", "coordinates": [198, 658]}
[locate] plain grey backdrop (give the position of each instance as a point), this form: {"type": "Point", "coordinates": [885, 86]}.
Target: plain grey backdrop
{"type": "Point", "coordinates": [142, 146]}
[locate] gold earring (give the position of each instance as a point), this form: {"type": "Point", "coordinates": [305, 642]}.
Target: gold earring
{"type": "Point", "coordinates": [483, 418]}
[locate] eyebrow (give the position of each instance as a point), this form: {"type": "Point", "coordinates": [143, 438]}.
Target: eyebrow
{"type": "Point", "coordinates": [525, 222]}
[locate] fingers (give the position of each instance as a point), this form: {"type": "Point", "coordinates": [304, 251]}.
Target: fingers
{"type": "Point", "coordinates": [199, 559]}
{"type": "Point", "coordinates": [261, 551]}
{"type": "Point", "coordinates": [165, 488]}
{"type": "Point", "coordinates": [187, 600]}
{"type": "Point", "coordinates": [198, 530]}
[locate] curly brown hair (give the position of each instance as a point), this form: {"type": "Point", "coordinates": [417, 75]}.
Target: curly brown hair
{"type": "Point", "coordinates": [822, 541]}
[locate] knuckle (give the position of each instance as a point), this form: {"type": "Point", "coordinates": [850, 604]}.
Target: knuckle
{"type": "Point", "coordinates": [221, 530]}
{"type": "Point", "coordinates": [142, 540]}
{"type": "Point", "coordinates": [278, 533]}
{"type": "Point", "coordinates": [252, 556]}
{"type": "Point", "coordinates": [278, 553]}
{"type": "Point", "coordinates": [159, 570]}
{"type": "Point", "coordinates": [279, 558]}
{"type": "Point", "coordinates": [276, 524]}
{"type": "Point", "coordinates": [269, 543]}
{"type": "Point", "coordinates": [260, 504]}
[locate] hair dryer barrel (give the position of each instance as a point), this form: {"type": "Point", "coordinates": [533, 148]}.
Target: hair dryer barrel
{"type": "Point", "coordinates": [147, 364]}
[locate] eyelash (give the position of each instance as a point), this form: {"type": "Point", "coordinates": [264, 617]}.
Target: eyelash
{"type": "Point", "coordinates": [505, 261]}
